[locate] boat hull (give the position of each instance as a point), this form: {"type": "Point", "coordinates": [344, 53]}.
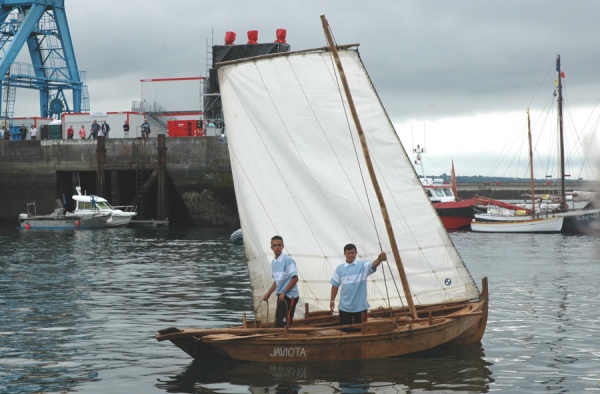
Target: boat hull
{"type": "Point", "coordinates": [49, 223]}
{"type": "Point", "coordinates": [379, 337]}
{"type": "Point", "coordinates": [544, 225]}
{"type": "Point", "coordinates": [577, 221]}
{"type": "Point", "coordinates": [583, 222]}
{"type": "Point", "coordinates": [95, 220]}
{"type": "Point", "coordinates": [119, 220]}
{"type": "Point", "coordinates": [456, 215]}
{"type": "Point", "coordinates": [456, 222]}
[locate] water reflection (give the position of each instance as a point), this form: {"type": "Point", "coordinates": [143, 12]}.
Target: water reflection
{"type": "Point", "coordinates": [452, 370]}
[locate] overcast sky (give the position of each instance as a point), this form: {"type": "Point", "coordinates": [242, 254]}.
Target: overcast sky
{"type": "Point", "coordinates": [455, 76]}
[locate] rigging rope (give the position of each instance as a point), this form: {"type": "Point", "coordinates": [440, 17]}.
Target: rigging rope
{"type": "Point", "coordinates": [357, 155]}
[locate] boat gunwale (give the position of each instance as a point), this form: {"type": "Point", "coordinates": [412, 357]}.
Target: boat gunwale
{"type": "Point", "coordinates": [401, 324]}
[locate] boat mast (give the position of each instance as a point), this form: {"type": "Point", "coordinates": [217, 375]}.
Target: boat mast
{"type": "Point", "coordinates": [531, 164]}
{"type": "Point", "coordinates": [559, 101]}
{"type": "Point", "coordinates": [365, 150]}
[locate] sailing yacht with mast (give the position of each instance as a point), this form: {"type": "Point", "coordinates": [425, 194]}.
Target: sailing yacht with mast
{"type": "Point", "coordinates": [584, 220]}
{"type": "Point", "coordinates": [348, 180]}
{"type": "Point", "coordinates": [515, 222]}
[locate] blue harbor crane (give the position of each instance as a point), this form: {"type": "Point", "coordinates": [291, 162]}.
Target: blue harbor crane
{"type": "Point", "coordinates": [42, 25]}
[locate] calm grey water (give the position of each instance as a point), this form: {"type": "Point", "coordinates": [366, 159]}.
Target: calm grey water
{"type": "Point", "coordinates": [79, 309]}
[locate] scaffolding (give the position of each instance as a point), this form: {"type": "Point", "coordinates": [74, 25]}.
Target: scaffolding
{"type": "Point", "coordinates": [42, 27]}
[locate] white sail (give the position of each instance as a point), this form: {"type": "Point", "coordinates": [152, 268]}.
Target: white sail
{"type": "Point", "coordinates": [299, 172]}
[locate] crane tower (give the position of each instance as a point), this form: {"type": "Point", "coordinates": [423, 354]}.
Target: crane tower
{"type": "Point", "coordinates": [42, 25]}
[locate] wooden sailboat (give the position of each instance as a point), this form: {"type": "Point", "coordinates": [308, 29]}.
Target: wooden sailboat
{"type": "Point", "coordinates": [514, 222]}
{"type": "Point", "coordinates": [303, 171]}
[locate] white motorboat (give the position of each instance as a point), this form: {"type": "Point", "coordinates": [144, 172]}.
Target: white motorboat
{"type": "Point", "coordinates": [87, 206]}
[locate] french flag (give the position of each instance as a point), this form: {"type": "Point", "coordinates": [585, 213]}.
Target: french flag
{"type": "Point", "coordinates": [559, 71]}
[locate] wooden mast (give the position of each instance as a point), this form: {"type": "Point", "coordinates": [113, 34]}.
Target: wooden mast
{"type": "Point", "coordinates": [367, 156]}
{"type": "Point", "coordinates": [559, 100]}
{"type": "Point", "coordinates": [531, 165]}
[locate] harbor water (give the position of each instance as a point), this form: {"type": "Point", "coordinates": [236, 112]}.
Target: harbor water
{"type": "Point", "coordinates": [79, 310]}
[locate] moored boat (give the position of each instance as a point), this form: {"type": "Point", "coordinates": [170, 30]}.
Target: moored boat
{"type": "Point", "coordinates": [512, 221]}
{"type": "Point", "coordinates": [539, 225]}
{"type": "Point", "coordinates": [578, 221]}
{"type": "Point", "coordinates": [425, 297]}
{"type": "Point", "coordinates": [89, 206]}
{"type": "Point", "coordinates": [454, 212]}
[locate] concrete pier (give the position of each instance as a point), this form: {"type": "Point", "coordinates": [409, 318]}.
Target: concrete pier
{"type": "Point", "coordinates": [185, 180]}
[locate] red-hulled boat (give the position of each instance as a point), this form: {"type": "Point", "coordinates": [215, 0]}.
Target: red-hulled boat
{"type": "Point", "coordinates": [455, 213]}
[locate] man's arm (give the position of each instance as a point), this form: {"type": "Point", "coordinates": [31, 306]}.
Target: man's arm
{"type": "Point", "coordinates": [379, 259]}
{"type": "Point", "coordinates": [334, 291]}
{"type": "Point", "coordinates": [270, 291]}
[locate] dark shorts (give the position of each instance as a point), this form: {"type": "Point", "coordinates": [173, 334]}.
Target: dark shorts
{"type": "Point", "coordinates": [351, 317]}
{"type": "Point", "coordinates": [284, 315]}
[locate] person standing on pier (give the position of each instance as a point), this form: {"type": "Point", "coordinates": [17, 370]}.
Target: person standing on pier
{"type": "Point", "coordinates": [94, 130]}
{"type": "Point", "coordinates": [285, 279]}
{"type": "Point", "coordinates": [33, 132]}
{"type": "Point", "coordinates": [70, 133]}
{"type": "Point", "coordinates": [126, 129]}
{"type": "Point", "coordinates": [105, 129]}
{"type": "Point", "coordinates": [145, 128]}
{"type": "Point", "coordinates": [82, 132]}
{"type": "Point", "coordinates": [23, 131]}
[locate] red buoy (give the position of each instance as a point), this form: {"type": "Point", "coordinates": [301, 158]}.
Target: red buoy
{"type": "Point", "coordinates": [76, 223]}
{"type": "Point", "coordinates": [27, 226]}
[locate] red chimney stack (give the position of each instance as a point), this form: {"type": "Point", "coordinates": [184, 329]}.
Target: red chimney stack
{"type": "Point", "coordinates": [252, 36]}
{"type": "Point", "coordinates": [281, 33]}
{"type": "Point", "coordinates": [229, 37]}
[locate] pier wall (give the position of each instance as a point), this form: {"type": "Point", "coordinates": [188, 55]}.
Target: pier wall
{"type": "Point", "coordinates": [199, 181]}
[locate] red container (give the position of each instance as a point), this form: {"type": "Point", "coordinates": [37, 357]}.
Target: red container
{"type": "Point", "coordinates": [181, 128]}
